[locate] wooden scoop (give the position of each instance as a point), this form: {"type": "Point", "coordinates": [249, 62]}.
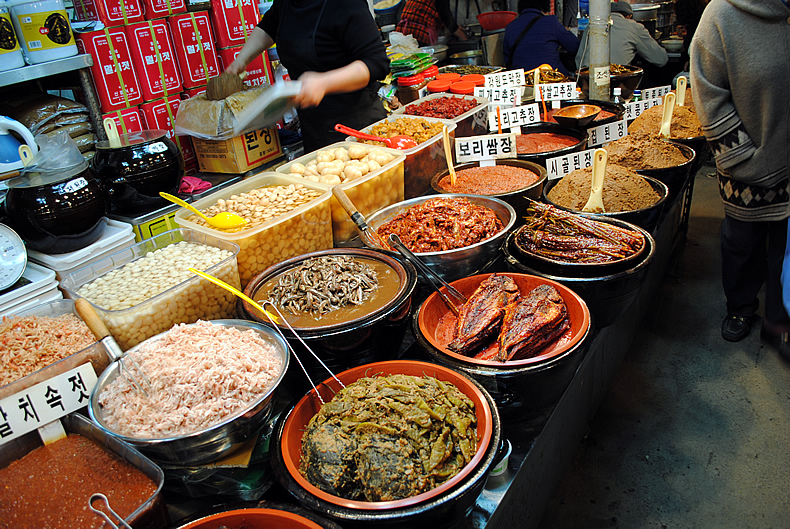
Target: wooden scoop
{"type": "Point", "coordinates": [395, 142]}
{"type": "Point", "coordinates": [369, 235]}
{"type": "Point", "coordinates": [224, 85]}
{"type": "Point", "coordinates": [595, 202]}
{"type": "Point", "coordinates": [448, 154]}
{"type": "Point", "coordinates": [666, 117]}
{"type": "Point", "coordinates": [681, 90]}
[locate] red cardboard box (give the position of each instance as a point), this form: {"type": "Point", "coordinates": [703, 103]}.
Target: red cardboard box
{"type": "Point", "coordinates": [111, 12]}
{"type": "Point", "coordinates": [163, 8]}
{"type": "Point", "coordinates": [193, 92]}
{"type": "Point", "coordinates": [157, 116]}
{"type": "Point", "coordinates": [114, 80]}
{"type": "Point", "coordinates": [257, 73]}
{"type": "Point", "coordinates": [147, 61]}
{"type": "Point", "coordinates": [126, 120]}
{"type": "Point", "coordinates": [194, 45]}
{"type": "Point", "coordinates": [230, 21]}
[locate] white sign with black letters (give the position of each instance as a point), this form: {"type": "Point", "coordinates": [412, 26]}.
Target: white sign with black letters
{"type": "Point", "coordinates": [606, 133]}
{"type": "Point", "coordinates": [507, 95]}
{"type": "Point", "coordinates": [45, 402]}
{"type": "Point", "coordinates": [652, 93]}
{"type": "Point", "coordinates": [563, 165]}
{"type": "Point", "coordinates": [507, 78]}
{"type": "Point", "coordinates": [514, 117]}
{"type": "Point", "coordinates": [635, 108]}
{"type": "Point", "coordinates": [555, 92]}
{"type": "Point", "coordinates": [489, 147]}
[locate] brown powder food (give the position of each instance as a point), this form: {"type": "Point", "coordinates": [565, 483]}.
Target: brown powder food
{"type": "Point", "coordinates": [685, 123]}
{"type": "Point", "coordinates": [623, 190]}
{"type": "Point", "coordinates": [644, 151]}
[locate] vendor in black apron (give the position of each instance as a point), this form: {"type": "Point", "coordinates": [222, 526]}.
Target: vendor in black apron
{"type": "Point", "coordinates": [334, 48]}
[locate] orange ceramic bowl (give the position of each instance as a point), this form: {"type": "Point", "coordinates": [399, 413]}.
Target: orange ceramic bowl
{"type": "Point", "coordinates": [254, 519]}
{"type": "Point", "coordinates": [436, 321]}
{"type": "Point", "coordinates": [291, 438]}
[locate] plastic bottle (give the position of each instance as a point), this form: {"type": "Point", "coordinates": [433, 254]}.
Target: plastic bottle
{"type": "Point", "coordinates": [637, 96]}
{"type": "Point", "coordinates": [617, 96]}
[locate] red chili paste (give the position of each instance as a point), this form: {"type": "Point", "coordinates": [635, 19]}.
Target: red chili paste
{"type": "Point", "coordinates": [442, 107]}
{"type": "Point", "coordinates": [603, 114]}
{"type": "Point", "coordinates": [538, 142]}
{"type": "Point", "coordinates": [492, 180]}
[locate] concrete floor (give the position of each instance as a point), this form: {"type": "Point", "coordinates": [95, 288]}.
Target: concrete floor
{"type": "Point", "coordinates": [695, 431]}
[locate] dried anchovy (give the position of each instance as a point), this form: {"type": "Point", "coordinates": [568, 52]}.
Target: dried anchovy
{"type": "Point", "coordinates": [323, 284]}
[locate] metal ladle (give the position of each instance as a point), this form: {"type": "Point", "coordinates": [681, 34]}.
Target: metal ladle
{"type": "Point", "coordinates": [224, 220]}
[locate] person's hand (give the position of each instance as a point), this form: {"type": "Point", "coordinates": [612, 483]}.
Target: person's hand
{"type": "Point", "coordinates": [236, 67]}
{"type": "Point", "coordinates": [461, 34]}
{"type": "Point", "coordinates": [313, 90]}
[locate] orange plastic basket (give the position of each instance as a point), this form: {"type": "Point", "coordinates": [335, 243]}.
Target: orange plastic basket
{"type": "Point", "coordinates": [493, 20]}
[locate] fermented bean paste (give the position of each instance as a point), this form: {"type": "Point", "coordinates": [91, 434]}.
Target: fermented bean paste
{"type": "Point", "coordinates": [684, 124]}
{"type": "Point", "coordinates": [644, 151]}
{"type": "Point", "coordinates": [50, 486]}
{"type": "Point", "coordinates": [623, 190]}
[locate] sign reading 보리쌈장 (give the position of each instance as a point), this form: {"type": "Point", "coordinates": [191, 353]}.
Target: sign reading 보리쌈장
{"type": "Point", "coordinates": [563, 165]}
{"type": "Point", "coordinates": [514, 117]}
{"type": "Point", "coordinates": [635, 108]}
{"type": "Point", "coordinates": [507, 78]}
{"type": "Point", "coordinates": [652, 93]}
{"type": "Point", "coordinates": [489, 147]}
{"type": "Point", "coordinates": [606, 133]}
{"type": "Point", "coordinates": [555, 91]}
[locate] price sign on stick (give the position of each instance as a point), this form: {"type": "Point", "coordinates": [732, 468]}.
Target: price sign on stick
{"type": "Point", "coordinates": [508, 78]}
{"type": "Point", "coordinates": [600, 75]}
{"type": "Point", "coordinates": [563, 165]}
{"type": "Point", "coordinates": [45, 402]}
{"type": "Point", "coordinates": [514, 117]}
{"type": "Point", "coordinates": [606, 133]}
{"type": "Point", "coordinates": [499, 96]}
{"type": "Point", "coordinates": [635, 108]}
{"type": "Point", "coordinates": [555, 92]}
{"type": "Point", "coordinates": [652, 93]}
{"type": "Point", "coordinates": [485, 148]}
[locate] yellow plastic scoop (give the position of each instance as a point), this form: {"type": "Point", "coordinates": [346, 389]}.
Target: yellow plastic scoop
{"type": "Point", "coordinates": [595, 202]}
{"type": "Point", "coordinates": [234, 290]}
{"type": "Point", "coordinates": [223, 220]}
{"type": "Point", "coordinates": [666, 117]}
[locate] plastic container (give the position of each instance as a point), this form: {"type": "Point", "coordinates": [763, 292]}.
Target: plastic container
{"type": "Point", "coordinates": [116, 236]}
{"type": "Point", "coordinates": [439, 86]}
{"type": "Point", "coordinates": [11, 56]}
{"type": "Point", "coordinates": [375, 190]}
{"type": "Point", "coordinates": [387, 15]}
{"type": "Point", "coordinates": [39, 281]}
{"type": "Point", "coordinates": [43, 30]}
{"type": "Point", "coordinates": [430, 73]}
{"type": "Point", "coordinates": [188, 301]}
{"type": "Point", "coordinates": [474, 78]}
{"type": "Point", "coordinates": [422, 161]}
{"type": "Point", "coordinates": [471, 123]}
{"type": "Point", "coordinates": [306, 228]}
{"type": "Point", "coordinates": [448, 76]}
{"type": "Point", "coordinates": [411, 88]}
{"type": "Point", "coordinates": [462, 88]}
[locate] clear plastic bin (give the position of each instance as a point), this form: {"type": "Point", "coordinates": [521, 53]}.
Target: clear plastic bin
{"type": "Point", "coordinates": [375, 190]}
{"type": "Point", "coordinates": [423, 161]}
{"type": "Point", "coordinates": [304, 229]}
{"type": "Point", "coordinates": [471, 123]}
{"type": "Point", "coordinates": [186, 302]}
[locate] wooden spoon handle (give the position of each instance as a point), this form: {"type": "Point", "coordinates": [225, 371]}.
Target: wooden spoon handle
{"type": "Point", "coordinates": [448, 154]}
{"type": "Point", "coordinates": [91, 318]}
{"type": "Point", "coordinates": [666, 118]}
{"type": "Point", "coordinates": [681, 91]}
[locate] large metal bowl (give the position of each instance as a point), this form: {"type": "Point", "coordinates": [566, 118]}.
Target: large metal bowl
{"type": "Point", "coordinates": [627, 82]}
{"type": "Point", "coordinates": [461, 262]}
{"type": "Point", "coordinates": [210, 443]}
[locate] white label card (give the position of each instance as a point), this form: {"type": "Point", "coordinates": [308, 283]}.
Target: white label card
{"type": "Point", "coordinates": [601, 75]}
{"type": "Point", "coordinates": [563, 165]}
{"type": "Point", "coordinates": [45, 402]}
{"type": "Point", "coordinates": [489, 147]}
{"type": "Point", "coordinates": [635, 108]}
{"type": "Point", "coordinates": [500, 96]}
{"type": "Point", "coordinates": [555, 92]}
{"type": "Point", "coordinates": [514, 117]}
{"type": "Point", "coordinates": [606, 133]}
{"type": "Point", "coordinates": [652, 93]}
{"type": "Point", "coordinates": [507, 78]}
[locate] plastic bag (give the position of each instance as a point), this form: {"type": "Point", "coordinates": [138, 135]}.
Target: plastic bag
{"type": "Point", "coordinates": [405, 44]}
{"type": "Point", "coordinates": [35, 111]}
{"type": "Point", "coordinates": [56, 152]}
{"type": "Point", "coordinates": [213, 120]}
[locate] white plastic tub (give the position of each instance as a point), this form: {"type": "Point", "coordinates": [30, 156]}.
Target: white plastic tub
{"type": "Point", "coordinates": [471, 123]}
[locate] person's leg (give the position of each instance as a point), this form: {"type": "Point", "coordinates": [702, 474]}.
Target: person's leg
{"type": "Point", "coordinates": [744, 264]}
{"type": "Point", "coordinates": [776, 325]}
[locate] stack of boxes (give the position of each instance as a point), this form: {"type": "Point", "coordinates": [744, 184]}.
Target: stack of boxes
{"type": "Point", "coordinates": [154, 53]}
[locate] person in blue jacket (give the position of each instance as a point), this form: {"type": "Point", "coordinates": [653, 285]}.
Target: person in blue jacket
{"type": "Point", "coordinates": [535, 38]}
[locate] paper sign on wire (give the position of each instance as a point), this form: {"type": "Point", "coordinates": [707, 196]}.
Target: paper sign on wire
{"type": "Point", "coordinates": [563, 165]}
{"type": "Point", "coordinates": [635, 108]}
{"type": "Point", "coordinates": [606, 133]}
{"type": "Point", "coordinates": [515, 116]}
{"type": "Point", "coordinates": [652, 93]}
{"type": "Point", "coordinates": [500, 96]}
{"type": "Point", "coordinates": [489, 147]}
{"type": "Point", "coordinates": [555, 92]}
{"type": "Point", "coordinates": [507, 78]}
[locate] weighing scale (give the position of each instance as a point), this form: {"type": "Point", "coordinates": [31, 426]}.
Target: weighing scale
{"type": "Point", "coordinates": [13, 257]}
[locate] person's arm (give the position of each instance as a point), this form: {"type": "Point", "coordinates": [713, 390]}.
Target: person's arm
{"type": "Point", "coordinates": [443, 8]}
{"type": "Point", "coordinates": [316, 85]}
{"type": "Point", "coordinates": [258, 41]}
{"type": "Point", "coordinates": [567, 40]}
{"type": "Point", "coordinates": [648, 48]}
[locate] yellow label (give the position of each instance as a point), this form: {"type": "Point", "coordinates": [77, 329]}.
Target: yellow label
{"type": "Point", "coordinates": [46, 31]}
{"type": "Point", "coordinates": [8, 40]}
{"type": "Point", "coordinates": [154, 227]}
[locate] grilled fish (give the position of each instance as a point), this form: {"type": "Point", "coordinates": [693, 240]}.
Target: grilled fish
{"type": "Point", "coordinates": [534, 321]}
{"type": "Point", "coordinates": [481, 316]}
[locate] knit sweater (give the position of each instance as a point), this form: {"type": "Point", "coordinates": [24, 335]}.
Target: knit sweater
{"type": "Point", "coordinates": [740, 68]}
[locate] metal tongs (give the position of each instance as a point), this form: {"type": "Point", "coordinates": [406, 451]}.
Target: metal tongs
{"type": "Point", "coordinates": [273, 320]}
{"type": "Point", "coordinates": [435, 279]}
{"type": "Point", "coordinates": [114, 351]}
{"type": "Point", "coordinates": [101, 497]}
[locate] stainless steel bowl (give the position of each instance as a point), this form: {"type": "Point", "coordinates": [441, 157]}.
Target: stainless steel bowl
{"type": "Point", "coordinates": [462, 262]}
{"type": "Point", "coordinates": [467, 57]}
{"type": "Point", "coordinates": [210, 443]}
